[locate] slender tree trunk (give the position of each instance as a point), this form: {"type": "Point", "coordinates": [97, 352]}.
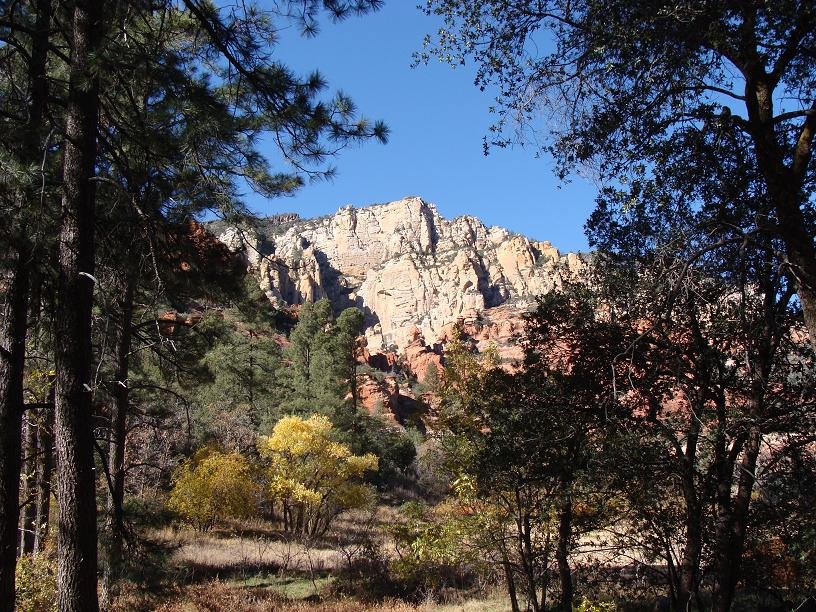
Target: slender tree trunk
{"type": "Point", "coordinates": [511, 584]}
{"type": "Point", "coordinates": [688, 572]}
{"type": "Point", "coordinates": [690, 560]}
{"type": "Point", "coordinates": [44, 470]}
{"type": "Point", "coordinates": [526, 553]}
{"type": "Point", "coordinates": [562, 553]}
{"type": "Point", "coordinates": [12, 363]}
{"type": "Point", "coordinates": [29, 493]}
{"type": "Point", "coordinates": [732, 541]}
{"type": "Point", "coordinates": [76, 482]}
{"type": "Point", "coordinates": [114, 521]}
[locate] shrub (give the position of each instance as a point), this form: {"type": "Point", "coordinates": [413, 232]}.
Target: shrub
{"type": "Point", "coordinates": [36, 583]}
{"type": "Point", "coordinates": [213, 487]}
{"type": "Point", "coordinates": [588, 605]}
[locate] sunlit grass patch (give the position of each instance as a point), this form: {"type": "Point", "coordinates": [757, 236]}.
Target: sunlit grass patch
{"type": "Point", "coordinates": [290, 587]}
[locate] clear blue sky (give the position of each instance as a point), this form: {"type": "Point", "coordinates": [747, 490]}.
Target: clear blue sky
{"type": "Point", "coordinates": [437, 120]}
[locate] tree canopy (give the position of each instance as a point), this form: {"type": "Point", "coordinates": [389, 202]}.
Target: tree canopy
{"type": "Point", "coordinates": [659, 93]}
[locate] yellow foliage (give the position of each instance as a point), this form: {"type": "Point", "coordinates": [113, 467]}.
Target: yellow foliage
{"type": "Point", "coordinates": [36, 583]}
{"type": "Point", "coordinates": [37, 385]}
{"type": "Point", "coordinates": [313, 476]}
{"type": "Point", "coordinates": [213, 486]}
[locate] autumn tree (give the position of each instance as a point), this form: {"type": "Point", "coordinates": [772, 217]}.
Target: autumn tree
{"type": "Point", "coordinates": [311, 476]}
{"type": "Point", "coordinates": [522, 443]}
{"type": "Point", "coordinates": [213, 487]}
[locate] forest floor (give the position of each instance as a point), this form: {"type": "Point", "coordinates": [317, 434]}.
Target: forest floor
{"type": "Point", "coordinates": [253, 567]}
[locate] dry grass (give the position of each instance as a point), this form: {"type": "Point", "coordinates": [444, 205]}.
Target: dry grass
{"type": "Point", "coordinates": [218, 596]}
{"type": "Point", "coordinates": [255, 547]}
{"type": "Point", "coordinates": [218, 554]}
{"type": "Point", "coordinates": [253, 567]}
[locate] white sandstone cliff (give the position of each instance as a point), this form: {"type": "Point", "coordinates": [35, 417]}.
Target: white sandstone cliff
{"type": "Point", "coordinates": [404, 265]}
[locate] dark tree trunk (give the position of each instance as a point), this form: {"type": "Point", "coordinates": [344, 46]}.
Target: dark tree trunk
{"type": "Point", "coordinates": [562, 553]}
{"type": "Point", "coordinates": [12, 363]}
{"type": "Point", "coordinates": [114, 521]}
{"type": "Point", "coordinates": [29, 496]}
{"type": "Point", "coordinates": [732, 538]}
{"type": "Point", "coordinates": [13, 330]}
{"type": "Point", "coordinates": [690, 560]}
{"type": "Point", "coordinates": [689, 570]}
{"type": "Point", "coordinates": [785, 185]}
{"type": "Point", "coordinates": [511, 585]}
{"type": "Point", "coordinates": [76, 482]}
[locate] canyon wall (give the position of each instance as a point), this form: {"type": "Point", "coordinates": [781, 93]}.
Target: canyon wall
{"type": "Point", "coordinates": [412, 272]}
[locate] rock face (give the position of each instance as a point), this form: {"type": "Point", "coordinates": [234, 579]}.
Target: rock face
{"type": "Point", "coordinates": [412, 272]}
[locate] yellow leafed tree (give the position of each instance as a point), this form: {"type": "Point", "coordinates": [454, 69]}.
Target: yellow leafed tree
{"type": "Point", "coordinates": [312, 477]}
{"type": "Point", "coordinates": [212, 487]}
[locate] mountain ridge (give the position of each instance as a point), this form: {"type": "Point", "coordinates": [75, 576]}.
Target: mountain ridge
{"type": "Point", "coordinates": [411, 271]}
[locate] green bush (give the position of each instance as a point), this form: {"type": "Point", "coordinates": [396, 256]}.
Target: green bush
{"type": "Point", "coordinates": [36, 580]}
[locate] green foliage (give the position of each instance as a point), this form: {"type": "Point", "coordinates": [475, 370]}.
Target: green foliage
{"type": "Point", "coordinates": [313, 477]}
{"type": "Point", "coordinates": [212, 487]}
{"type": "Point", "coordinates": [322, 370]}
{"type": "Point", "coordinates": [437, 549]}
{"type": "Point", "coordinates": [36, 583]}
{"type": "Point", "coordinates": [243, 367]}
{"type": "Point", "coordinates": [521, 445]}
{"type": "Point", "coordinates": [364, 433]}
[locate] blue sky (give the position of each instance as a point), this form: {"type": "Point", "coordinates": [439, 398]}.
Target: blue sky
{"type": "Point", "coordinates": [437, 120]}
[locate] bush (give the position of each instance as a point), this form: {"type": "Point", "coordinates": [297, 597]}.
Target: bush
{"type": "Point", "coordinates": [588, 605]}
{"type": "Point", "coordinates": [365, 576]}
{"type": "Point", "coordinates": [213, 487]}
{"type": "Point", "coordinates": [36, 580]}
{"type": "Point", "coordinates": [313, 477]}
{"type": "Point", "coordinates": [434, 557]}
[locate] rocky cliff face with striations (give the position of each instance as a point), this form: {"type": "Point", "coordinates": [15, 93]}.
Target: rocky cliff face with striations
{"type": "Point", "coordinates": [412, 272]}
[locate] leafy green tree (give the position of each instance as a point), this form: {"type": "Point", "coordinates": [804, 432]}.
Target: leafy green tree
{"type": "Point", "coordinates": [663, 91]}
{"type": "Point", "coordinates": [96, 50]}
{"type": "Point", "coordinates": [23, 96]}
{"type": "Point", "coordinates": [712, 372]}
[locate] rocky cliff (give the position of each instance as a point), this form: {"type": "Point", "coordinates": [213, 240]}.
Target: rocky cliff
{"type": "Point", "coordinates": [412, 272]}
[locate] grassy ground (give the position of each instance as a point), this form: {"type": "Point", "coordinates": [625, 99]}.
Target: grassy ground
{"type": "Point", "coordinates": [254, 568]}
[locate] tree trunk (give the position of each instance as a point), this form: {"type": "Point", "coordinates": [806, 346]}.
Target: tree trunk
{"type": "Point", "coordinates": [525, 549]}
{"type": "Point", "coordinates": [114, 521]}
{"type": "Point", "coordinates": [511, 585]}
{"type": "Point", "coordinates": [44, 470]}
{"type": "Point", "coordinates": [801, 257]}
{"type": "Point", "coordinates": [29, 495]}
{"type": "Point", "coordinates": [12, 363]}
{"type": "Point", "coordinates": [786, 189]}
{"type": "Point", "coordinates": [688, 572]}
{"type": "Point", "coordinates": [732, 539]}
{"type": "Point", "coordinates": [13, 324]}
{"type": "Point", "coordinates": [562, 553]}
{"type": "Point", "coordinates": [76, 482]}
{"type": "Point", "coordinates": [690, 560]}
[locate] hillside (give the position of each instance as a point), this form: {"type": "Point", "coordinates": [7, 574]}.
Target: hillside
{"type": "Point", "coordinates": [411, 271]}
